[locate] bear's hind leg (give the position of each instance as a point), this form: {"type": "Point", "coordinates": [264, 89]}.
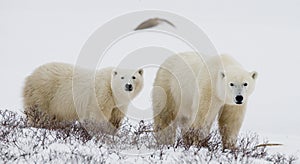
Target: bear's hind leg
{"type": "Point", "coordinates": [164, 129]}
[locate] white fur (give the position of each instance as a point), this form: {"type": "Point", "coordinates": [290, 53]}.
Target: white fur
{"type": "Point", "coordinates": [197, 88]}
{"type": "Point", "coordinates": [69, 93]}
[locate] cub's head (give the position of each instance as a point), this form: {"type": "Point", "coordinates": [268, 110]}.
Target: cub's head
{"type": "Point", "coordinates": [235, 85]}
{"type": "Point", "coordinates": [126, 82]}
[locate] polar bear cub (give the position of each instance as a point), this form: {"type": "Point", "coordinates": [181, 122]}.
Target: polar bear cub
{"type": "Point", "coordinates": [191, 90]}
{"type": "Point", "coordinates": [69, 93]}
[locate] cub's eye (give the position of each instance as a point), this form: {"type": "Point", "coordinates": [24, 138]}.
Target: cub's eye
{"type": "Point", "coordinates": [133, 77]}
{"type": "Point", "coordinates": [245, 84]}
{"type": "Point", "coordinates": [231, 84]}
{"type": "Point", "coordinates": [122, 77]}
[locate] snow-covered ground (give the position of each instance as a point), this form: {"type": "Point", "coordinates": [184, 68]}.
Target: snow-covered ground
{"type": "Point", "coordinates": [291, 144]}
{"type": "Point", "coordinates": [133, 143]}
{"type": "Point", "coordinates": [262, 35]}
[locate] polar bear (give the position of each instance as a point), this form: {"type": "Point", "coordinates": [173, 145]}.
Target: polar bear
{"type": "Point", "coordinates": [191, 90]}
{"type": "Point", "coordinates": [71, 93]}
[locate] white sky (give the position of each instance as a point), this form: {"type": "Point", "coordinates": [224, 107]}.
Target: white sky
{"type": "Point", "coordinates": [262, 35]}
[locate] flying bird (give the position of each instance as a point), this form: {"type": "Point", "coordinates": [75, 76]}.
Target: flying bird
{"type": "Point", "coordinates": [152, 23]}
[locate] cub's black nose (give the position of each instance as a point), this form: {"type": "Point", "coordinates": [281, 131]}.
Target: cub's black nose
{"type": "Point", "coordinates": [128, 87]}
{"type": "Point", "coordinates": [239, 99]}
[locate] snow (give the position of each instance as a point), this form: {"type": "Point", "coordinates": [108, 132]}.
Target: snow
{"type": "Point", "coordinates": [291, 144]}
{"type": "Point", "coordinates": [22, 144]}
{"type": "Point", "coordinates": [262, 35]}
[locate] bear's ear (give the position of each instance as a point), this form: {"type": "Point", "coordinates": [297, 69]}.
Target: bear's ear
{"type": "Point", "coordinates": [141, 72]}
{"type": "Point", "coordinates": [222, 74]}
{"type": "Point", "coordinates": [115, 73]}
{"type": "Point", "coordinates": [253, 75]}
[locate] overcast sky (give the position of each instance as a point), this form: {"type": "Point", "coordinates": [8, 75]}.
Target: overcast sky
{"type": "Point", "coordinates": [262, 35]}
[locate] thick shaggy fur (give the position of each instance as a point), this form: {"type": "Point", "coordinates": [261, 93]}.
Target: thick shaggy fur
{"type": "Point", "coordinates": [69, 94]}
{"type": "Point", "coordinates": [191, 90]}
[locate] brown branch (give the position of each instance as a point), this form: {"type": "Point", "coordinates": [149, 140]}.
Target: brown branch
{"type": "Point", "coordinates": [267, 144]}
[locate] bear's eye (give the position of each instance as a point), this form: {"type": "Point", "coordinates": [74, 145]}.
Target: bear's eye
{"type": "Point", "coordinates": [231, 84]}
{"type": "Point", "coordinates": [133, 77]}
{"type": "Point", "coordinates": [245, 84]}
{"type": "Point", "coordinates": [122, 77]}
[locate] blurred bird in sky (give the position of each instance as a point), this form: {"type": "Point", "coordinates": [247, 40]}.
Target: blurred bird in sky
{"type": "Point", "coordinates": [152, 23]}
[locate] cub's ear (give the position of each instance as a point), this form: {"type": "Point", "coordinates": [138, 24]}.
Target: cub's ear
{"type": "Point", "coordinates": [222, 74]}
{"type": "Point", "coordinates": [254, 75]}
{"type": "Point", "coordinates": [141, 72]}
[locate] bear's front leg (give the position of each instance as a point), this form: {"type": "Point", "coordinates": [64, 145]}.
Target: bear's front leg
{"type": "Point", "coordinates": [116, 118]}
{"type": "Point", "coordinates": [230, 121]}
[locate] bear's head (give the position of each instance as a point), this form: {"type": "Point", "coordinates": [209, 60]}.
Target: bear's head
{"type": "Point", "coordinates": [235, 85]}
{"type": "Point", "coordinates": [127, 83]}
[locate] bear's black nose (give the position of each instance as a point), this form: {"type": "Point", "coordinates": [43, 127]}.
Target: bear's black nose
{"type": "Point", "coordinates": [239, 99]}
{"type": "Point", "coordinates": [128, 87]}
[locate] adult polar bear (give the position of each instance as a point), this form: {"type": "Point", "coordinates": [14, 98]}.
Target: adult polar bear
{"type": "Point", "coordinates": [191, 90]}
{"type": "Point", "coordinates": [54, 90]}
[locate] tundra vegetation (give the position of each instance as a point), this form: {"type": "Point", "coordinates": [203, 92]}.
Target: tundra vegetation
{"type": "Point", "coordinates": [69, 141]}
